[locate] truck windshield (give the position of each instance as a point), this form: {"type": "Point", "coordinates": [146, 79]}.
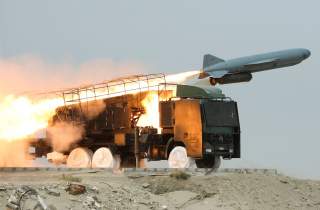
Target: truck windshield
{"type": "Point", "coordinates": [221, 113]}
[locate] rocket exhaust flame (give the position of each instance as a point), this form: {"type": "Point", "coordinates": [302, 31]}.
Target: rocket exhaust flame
{"type": "Point", "coordinates": [21, 117]}
{"type": "Point", "coordinates": [151, 115]}
{"type": "Point", "coordinates": [182, 77]}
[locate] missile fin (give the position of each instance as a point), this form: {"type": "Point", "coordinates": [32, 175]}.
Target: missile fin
{"type": "Point", "coordinates": [209, 60]}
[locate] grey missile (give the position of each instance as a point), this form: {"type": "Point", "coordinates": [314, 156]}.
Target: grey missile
{"type": "Point", "coordinates": [241, 69]}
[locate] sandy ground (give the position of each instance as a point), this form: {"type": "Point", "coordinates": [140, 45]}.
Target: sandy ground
{"type": "Point", "coordinates": [105, 190]}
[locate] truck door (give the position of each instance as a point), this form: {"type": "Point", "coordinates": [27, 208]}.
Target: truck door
{"type": "Point", "coordinates": [188, 126]}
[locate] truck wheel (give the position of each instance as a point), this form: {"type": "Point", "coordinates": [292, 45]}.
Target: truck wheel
{"type": "Point", "coordinates": [103, 158]}
{"type": "Point", "coordinates": [80, 158]}
{"type": "Point", "coordinates": [178, 158]}
{"type": "Point", "coordinates": [209, 162]}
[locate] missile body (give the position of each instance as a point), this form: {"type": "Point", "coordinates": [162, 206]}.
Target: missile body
{"type": "Point", "coordinates": [241, 69]}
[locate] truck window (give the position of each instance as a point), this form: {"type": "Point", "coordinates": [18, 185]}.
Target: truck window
{"type": "Point", "coordinates": [221, 113]}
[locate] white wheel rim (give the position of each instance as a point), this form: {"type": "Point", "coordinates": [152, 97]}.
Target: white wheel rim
{"type": "Point", "coordinates": [178, 158]}
{"type": "Point", "coordinates": [103, 158]}
{"type": "Point", "coordinates": [80, 158]}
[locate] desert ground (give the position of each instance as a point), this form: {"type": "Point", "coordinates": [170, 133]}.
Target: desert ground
{"type": "Point", "coordinates": [102, 189]}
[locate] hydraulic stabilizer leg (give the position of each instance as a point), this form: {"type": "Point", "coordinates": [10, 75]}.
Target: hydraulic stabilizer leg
{"type": "Point", "coordinates": [136, 146]}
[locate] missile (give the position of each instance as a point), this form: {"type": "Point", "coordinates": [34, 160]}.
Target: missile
{"type": "Point", "coordinates": [241, 69]}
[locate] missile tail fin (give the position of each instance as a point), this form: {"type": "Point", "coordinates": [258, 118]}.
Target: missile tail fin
{"type": "Point", "coordinates": [209, 60]}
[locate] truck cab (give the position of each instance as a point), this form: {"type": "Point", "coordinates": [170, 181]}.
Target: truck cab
{"type": "Point", "coordinates": [206, 124]}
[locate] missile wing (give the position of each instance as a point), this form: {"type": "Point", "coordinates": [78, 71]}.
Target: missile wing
{"type": "Point", "coordinates": [240, 69]}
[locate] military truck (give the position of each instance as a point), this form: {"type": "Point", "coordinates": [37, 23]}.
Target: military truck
{"type": "Point", "coordinates": [197, 123]}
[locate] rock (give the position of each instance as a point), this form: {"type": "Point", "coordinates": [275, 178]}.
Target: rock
{"type": "Point", "coordinates": [3, 189]}
{"type": "Point", "coordinates": [52, 192]}
{"type": "Point", "coordinates": [135, 176]}
{"type": "Point", "coordinates": [164, 207]}
{"type": "Point", "coordinates": [75, 200]}
{"type": "Point", "coordinates": [145, 185]}
{"type": "Point", "coordinates": [94, 189]}
{"type": "Point", "coordinates": [92, 202]}
{"type": "Point", "coordinates": [284, 181]}
{"type": "Point", "coordinates": [76, 189]}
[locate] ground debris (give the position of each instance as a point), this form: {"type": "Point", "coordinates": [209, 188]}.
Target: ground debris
{"type": "Point", "coordinates": [52, 191]}
{"type": "Point", "coordinates": [28, 196]}
{"type": "Point", "coordinates": [76, 189]}
{"type": "Point", "coordinates": [164, 207]}
{"type": "Point", "coordinates": [145, 185]}
{"type": "Point", "coordinates": [284, 181]}
{"type": "Point", "coordinates": [18, 196]}
{"type": "Point", "coordinates": [92, 202]}
{"type": "Point", "coordinates": [93, 189]}
{"type": "Point", "coordinates": [135, 176]}
{"type": "Point", "coordinates": [204, 194]}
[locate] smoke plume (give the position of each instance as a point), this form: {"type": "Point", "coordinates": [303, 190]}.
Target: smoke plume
{"type": "Point", "coordinates": [63, 135]}
{"type": "Point", "coordinates": [94, 108]}
{"type": "Point", "coordinates": [14, 154]}
{"type": "Point", "coordinates": [25, 74]}
{"type": "Point", "coordinates": [28, 73]}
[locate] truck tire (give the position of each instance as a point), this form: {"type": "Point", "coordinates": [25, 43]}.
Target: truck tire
{"type": "Point", "coordinates": [103, 158]}
{"type": "Point", "coordinates": [80, 158]}
{"type": "Point", "coordinates": [178, 158]}
{"type": "Point", "coordinates": [209, 162]}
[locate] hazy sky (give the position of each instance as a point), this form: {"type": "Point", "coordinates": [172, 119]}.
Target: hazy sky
{"type": "Point", "coordinates": [279, 109]}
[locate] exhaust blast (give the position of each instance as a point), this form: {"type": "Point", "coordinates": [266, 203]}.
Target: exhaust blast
{"type": "Point", "coordinates": [63, 135]}
{"type": "Point", "coordinates": [14, 154]}
{"type": "Point", "coordinates": [21, 115]}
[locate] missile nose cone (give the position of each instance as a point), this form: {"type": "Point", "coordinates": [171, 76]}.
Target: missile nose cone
{"type": "Point", "coordinates": [306, 53]}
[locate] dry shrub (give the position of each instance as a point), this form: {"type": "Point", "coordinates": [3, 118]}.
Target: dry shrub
{"type": "Point", "coordinates": [180, 175]}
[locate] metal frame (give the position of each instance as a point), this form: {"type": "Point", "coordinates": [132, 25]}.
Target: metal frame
{"type": "Point", "coordinates": [112, 88]}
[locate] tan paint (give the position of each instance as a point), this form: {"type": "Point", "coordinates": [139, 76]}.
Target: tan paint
{"type": "Point", "coordinates": [188, 126]}
{"type": "Point", "coordinates": [120, 139]}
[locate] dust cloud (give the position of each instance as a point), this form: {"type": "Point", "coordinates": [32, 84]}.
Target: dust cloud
{"type": "Point", "coordinates": [14, 154]}
{"type": "Point", "coordinates": [94, 108]}
{"type": "Point", "coordinates": [63, 135]}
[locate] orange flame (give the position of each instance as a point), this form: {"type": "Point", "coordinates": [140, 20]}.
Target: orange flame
{"type": "Point", "coordinates": [151, 106]}
{"type": "Point", "coordinates": [150, 103]}
{"type": "Point", "coordinates": [20, 117]}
